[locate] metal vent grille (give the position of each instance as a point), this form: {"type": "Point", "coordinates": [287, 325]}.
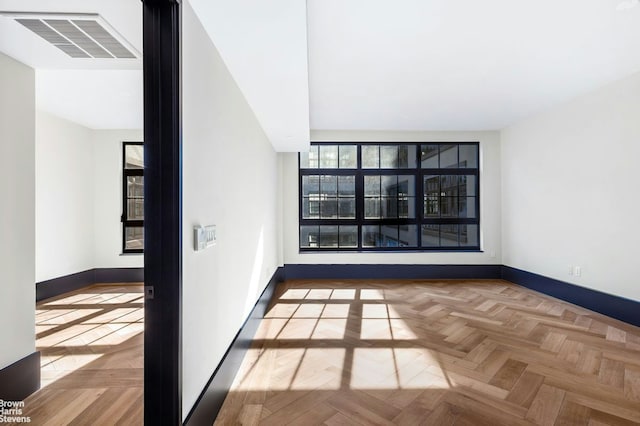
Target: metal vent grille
{"type": "Point", "coordinates": [78, 38]}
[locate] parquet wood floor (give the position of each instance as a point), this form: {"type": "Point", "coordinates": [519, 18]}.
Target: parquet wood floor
{"type": "Point", "coordinates": [91, 345]}
{"type": "Point", "coordinates": [472, 352]}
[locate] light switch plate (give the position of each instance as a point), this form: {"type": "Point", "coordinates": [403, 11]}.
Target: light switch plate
{"type": "Point", "coordinates": [204, 237]}
{"type": "Point", "coordinates": [210, 235]}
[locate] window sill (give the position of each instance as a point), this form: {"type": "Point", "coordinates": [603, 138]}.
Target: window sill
{"type": "Point", "coordinates": [329, 251]}
{"type": "Point", "coordinates": [131, 254]}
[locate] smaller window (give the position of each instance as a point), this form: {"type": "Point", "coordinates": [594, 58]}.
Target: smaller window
{"type": "Point", "coordinates": [132, 197]}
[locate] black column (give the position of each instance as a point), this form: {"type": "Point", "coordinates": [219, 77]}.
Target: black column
{"type": "Point", "coordinates": [163, 212]}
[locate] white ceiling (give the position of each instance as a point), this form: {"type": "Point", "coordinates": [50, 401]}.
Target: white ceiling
{"type": "Point", "coordinates": [97, 99]}
{"type": "Point", "coordinates": [460, 65]}
{"type": "Point", "coordinates": [264, 45]}
{"type": "Point", "coordinates": [125, 16]}
{"type": "Point", "coordinates": [370, 64]}
{"type": "Point", "coordinates": [96, 93]}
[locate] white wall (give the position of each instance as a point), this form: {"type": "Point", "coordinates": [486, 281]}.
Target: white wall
{"type": "Point", "coordinates": [107, 189]}
{"type": "Point", "coordinates": [64, 197]}
{"type": "Point", "coordinates": [570, 194]}
{"type": "Point", "coordinates": [17, 210]}
{"type": "Point", "coordinates": [229, 179]}
{"type": "Point", "coordinates": [79, 198]}
{"type": "Point", "coordinates": [489, 202]}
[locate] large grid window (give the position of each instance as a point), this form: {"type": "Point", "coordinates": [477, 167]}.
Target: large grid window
{"type": "Point", "coordinates": [389, 196]}
{"type": "Point", "coordinates": [132, 197]}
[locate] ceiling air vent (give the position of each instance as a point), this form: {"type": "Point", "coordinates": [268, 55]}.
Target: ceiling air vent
{"type": "Point", "coordinates": [77, 35]}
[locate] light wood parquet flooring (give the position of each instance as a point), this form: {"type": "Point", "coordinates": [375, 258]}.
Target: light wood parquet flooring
{"type": "Point", "coordinates": [472, 352]}
{"type": "Point", "coordinates": [91, 346]}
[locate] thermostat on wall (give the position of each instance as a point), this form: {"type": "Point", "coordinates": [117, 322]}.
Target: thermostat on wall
{"type": "Point", "coordinates": [204, 237]}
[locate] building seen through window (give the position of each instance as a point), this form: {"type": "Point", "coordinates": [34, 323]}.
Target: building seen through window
{"type": "Point", "coordinates": [383, 196]}
{"type": "Point", "coordinates": [133, 197]}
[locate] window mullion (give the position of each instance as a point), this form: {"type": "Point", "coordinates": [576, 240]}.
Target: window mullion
{"type": "Point", "coordinates": [451, 156]}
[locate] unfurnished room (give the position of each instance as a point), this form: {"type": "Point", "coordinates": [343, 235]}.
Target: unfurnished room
{"type": "Point", "coordinates": [319, 212]}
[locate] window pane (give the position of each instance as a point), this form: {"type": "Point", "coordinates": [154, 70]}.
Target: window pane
{"type": "Point", "coordinates": [388, 157]}
{"type": "Point", "coordinates": [397, 196]}
{"type": "Point", "coordinates": [389, 236]}
{"type": "Point", "coordinates": [468, 156]}
{"type": "Point", "coordinates": [380, 236]}
{"type": "Point", "coordinates": [347, 208]}
{"type": "Point", "coordinates": [466, 185]}
{"type": "Point", "coordinates": [406, 186]}
{"type": "Point", "coordinates": [348, 156]}
{"type": "Point", "coordinates": [406, 156]}
{"type": "Point", "coordinates": [329, 236]}
{"type": "Point", "coordinates": [467, 207]}
{"type": "Point", "coordinates": [370, 234]}
{"type": "Point", "coordinates": [328, 208]}
{"type": "Point", "coordinates": [328, 156]}
{"type": "Point", "coordinates": [432, 185]}
{"type": "Point", "coordinates": [469, 236]}
{"type": "Point", "coordinates": [389, 185]}
{"type": "Point", "coordinates": [448, 156]}
{"type": "Point", "coordinates": [347, 199]}
{"type": "Point", "coordinates": [135, 198]}
{"type": "Point", "coordinates": [134, 238]}
{"type": "Point", "coordinates": [309, 160]}
{"type": "Point", "coordinates": [449, 185]}
{"type": "Point", "coordinates": [371, 185]}
{"type": "Point", "coordinates": [135, 186]}
{"type": "Point", "coordinates": [348, 236]}
{"type": "Point", "coordinates": [133, 157]}
{"type": "Point", "coordinates": [389, 207]}
{"type": "Point", "coordinates": [372, 207]}
{"type": "Point", "coordinates": [429, 156]}
{"type": "Point", "coordinates": [310, 185]}
{"type": "Point", "coordinates": [329, 186]}
{"type": "Point", "coordinates": [431, 190]}
{"type": "Point", "coordinates": [448, 206]}
{"type": "Point", "coordinates": [135, 209]}
{"type": "Point", "coordinates": [370, 157]}
{"type": "Point", "coordinates": [448, 235]}
{"type": "Point", "coordinates": [407, 207]}
{"type": "Point", "coordinates": [309, 236]}
{"type": "Point", "coordinates": [346, 186]}
{"type": "Point", "coordinates": [310, 207]}
{"type": "Point", "coordinates": [431, 235]}
{"type": "Point", "coordinates": [328, 197]}
{"type": "Point", "coordinates": [408, 235]}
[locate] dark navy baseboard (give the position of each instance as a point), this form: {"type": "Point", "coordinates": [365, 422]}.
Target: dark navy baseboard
{"type": "Point", "coordinates": [617, 307]}
{"type": "Point", "coordinates": [208, 405]}
{"type": "Point", "coordinates": [20, 379]}
{"type": "Point", "coordinates": [373, 271]}
{"type": "Point", "coordinates": [61, 285]}
{"type": "Point", "coordinates": [119, 275]}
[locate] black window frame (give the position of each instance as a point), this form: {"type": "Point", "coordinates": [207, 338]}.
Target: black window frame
{"type": "Point", "coordinates": [418, 219]}
{"type": "Point", "coordinates": [126, 173]}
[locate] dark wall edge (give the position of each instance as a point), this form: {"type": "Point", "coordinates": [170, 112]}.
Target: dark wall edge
{"type": "Point", "coordinates": [67, 283]}
{"type": "Point", "coordinates": [617, 307]}
{"type": "Point", "coordinates": [210, 401]}
{"type": "Point", "coordinates": [20, 379]}
{"type": "Point", "coordinates": [377, 271]}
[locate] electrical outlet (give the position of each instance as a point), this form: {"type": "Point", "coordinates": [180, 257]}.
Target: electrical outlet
{"type": "Point", "coordinates": [570, 269]}
{"type": "Point", "coordinates": [577, 271]}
